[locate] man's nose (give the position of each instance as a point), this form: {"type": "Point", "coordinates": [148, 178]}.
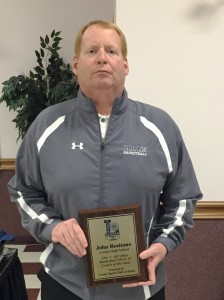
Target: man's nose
{"type": "Point", "coordinates": [101, 58]}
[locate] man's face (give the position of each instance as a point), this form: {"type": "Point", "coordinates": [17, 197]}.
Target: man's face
{"type": "Point", "coordinates": [100, 65]}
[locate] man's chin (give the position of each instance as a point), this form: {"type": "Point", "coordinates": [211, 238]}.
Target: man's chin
{"type": "Point", "coordinates": [103, 84]}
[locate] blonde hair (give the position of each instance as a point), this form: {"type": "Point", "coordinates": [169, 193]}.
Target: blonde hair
{"type": "Point", "coordinates": [106, 25]}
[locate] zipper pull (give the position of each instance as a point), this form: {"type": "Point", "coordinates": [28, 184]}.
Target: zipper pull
{"type": "Point", "coordinates": [102, 144]}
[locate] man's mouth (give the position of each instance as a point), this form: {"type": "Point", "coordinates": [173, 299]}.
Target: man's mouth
{"type": "Point", "coordinates": [102, 71]}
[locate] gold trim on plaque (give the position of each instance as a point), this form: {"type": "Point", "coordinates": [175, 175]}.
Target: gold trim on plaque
{"type": "Point", "coordinates": [107, 261]}
{"type": "Point", "coordinates": [115, 239]}
{"type": "Point", "coordinates": [7, 164]}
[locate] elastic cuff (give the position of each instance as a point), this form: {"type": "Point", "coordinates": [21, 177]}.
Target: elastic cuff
{"type": "Point", "coordinates": [168, 243]}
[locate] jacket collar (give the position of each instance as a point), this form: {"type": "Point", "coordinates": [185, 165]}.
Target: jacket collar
{"type": "Point", "coordinates": [86, 104]}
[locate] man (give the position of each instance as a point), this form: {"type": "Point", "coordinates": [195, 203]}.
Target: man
{"type": "Point", "coordinates": [102, 150]}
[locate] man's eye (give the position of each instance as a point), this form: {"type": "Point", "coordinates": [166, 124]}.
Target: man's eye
{"type": "Point", "coordinates": [112, 51]}
{"type": "Point", "coordinates": [92, 51]}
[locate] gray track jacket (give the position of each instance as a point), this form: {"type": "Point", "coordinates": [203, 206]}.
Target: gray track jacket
{"type": "Point", "coordinates": [64, 166]}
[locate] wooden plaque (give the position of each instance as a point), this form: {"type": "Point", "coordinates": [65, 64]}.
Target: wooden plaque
{"type": "Point", "coordinates": [115, 239]}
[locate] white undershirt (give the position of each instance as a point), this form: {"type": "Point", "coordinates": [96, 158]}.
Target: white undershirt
{"type": "Point", "coordinates": [103, 124]}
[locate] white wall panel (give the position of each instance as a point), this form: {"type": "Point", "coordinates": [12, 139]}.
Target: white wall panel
{"type": "Point", "coordinates": [176, 57]}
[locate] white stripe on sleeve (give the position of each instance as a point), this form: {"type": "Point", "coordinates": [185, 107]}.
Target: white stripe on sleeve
{"type": "Point", "coordinates": [43, 218]}
{"type": "Point", "coordinates": [45, 255]}
{"type": "Point", "coordinates": [161, 139]}
{"type": "Point", "coordinates": [178, 218]}
{"type": "Point", "coordinates": [49, 131]}
{"type": "Point", "coordinates": [147, 292]}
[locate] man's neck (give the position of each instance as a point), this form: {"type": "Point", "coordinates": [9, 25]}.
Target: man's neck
{"type": "Point", "coordinates": [104, 101]}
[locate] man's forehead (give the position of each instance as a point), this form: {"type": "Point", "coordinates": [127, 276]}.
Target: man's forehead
{"type": "Point", "coordinates": [92, 31]}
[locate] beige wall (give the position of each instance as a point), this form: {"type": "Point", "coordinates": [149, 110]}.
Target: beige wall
{"type": "Point", "coordinates": [21, 24]}
{"type": "Point", "coordinates": [176, 57]}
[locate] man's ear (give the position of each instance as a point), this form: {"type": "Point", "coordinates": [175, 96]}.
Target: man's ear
{"type": "Point", "coordinates": [74, 65]}
{"type": "Point", "coordinates": [126, 66]}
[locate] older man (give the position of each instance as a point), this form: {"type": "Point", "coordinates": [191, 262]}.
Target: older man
{"type": "Point", "coordinates": [102, 149]}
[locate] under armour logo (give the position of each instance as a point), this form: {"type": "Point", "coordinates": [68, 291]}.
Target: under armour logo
{"type": "Point", "coordinates": [80, 146]}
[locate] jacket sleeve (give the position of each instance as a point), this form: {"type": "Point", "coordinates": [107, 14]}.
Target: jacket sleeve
{"type": "Point", "coordinates": [178, 198]}
{"type": "Point", "coordinates": [27, 191]}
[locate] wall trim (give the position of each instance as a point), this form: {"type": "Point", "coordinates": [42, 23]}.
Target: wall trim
{"type": "Point", "coordinates": [209, 210]}
{"type": "Point", "coordinates": [7, 164]}
{"type": "Point", "coordinates": [204, 209]}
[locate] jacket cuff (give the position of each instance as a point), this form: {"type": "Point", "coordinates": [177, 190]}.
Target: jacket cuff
{"type": "Point", "coordinates": [46, 233]}
{"type": "Point", "coordinates": [167, 242]}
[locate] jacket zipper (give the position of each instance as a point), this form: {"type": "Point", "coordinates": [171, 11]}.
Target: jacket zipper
{"type": "Point", "coordinates": [102, 144]}
{"type": "Point", "coordinates": [102, 147]}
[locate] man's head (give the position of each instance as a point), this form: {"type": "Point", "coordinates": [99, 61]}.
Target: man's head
{"type": "Point", "coordinates": [106, 25]}
{"type": "Point", "coordinates": [100, 61]}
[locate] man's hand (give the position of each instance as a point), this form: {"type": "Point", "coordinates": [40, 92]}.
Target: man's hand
{"type": "Point", "coordinates": [71, 236]}
{"type": "Point", "coordinates": [155, 254]}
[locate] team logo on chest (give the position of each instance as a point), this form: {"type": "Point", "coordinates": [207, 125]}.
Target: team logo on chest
{"type": "Point", "coordinates": [135, 150]}
{"type": "Point", "coordinates": [77, 146]}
